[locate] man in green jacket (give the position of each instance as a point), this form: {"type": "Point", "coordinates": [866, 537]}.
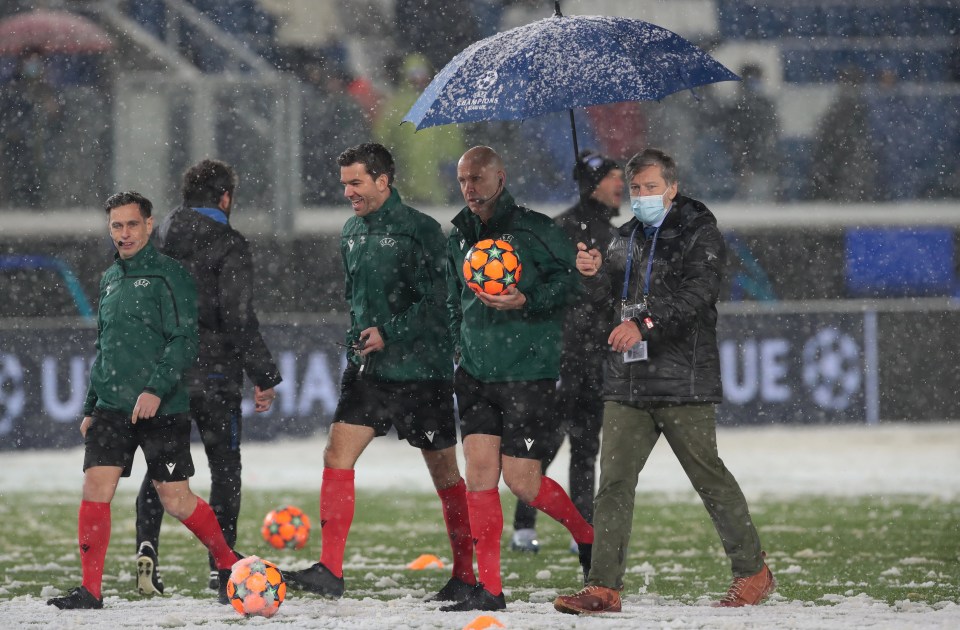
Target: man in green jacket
{"type": "Point", "coordinates": [399, 369]}
{"type": "Point", "coordinates": [146, 341]}
{"type": "Point", "coordinates": [509, 349]}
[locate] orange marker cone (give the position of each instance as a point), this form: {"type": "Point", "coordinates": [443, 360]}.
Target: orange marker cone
{"type": "Point", "coordinates": [426, 561]}
{"type": "Point", "coordinates": [483, 622]}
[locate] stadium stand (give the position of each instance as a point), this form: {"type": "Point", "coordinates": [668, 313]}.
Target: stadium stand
{"type": "Point", "coordinates": [905, 53]}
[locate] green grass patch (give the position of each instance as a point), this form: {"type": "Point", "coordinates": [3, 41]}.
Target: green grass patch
{"type": "Point", "coordinates": [821, 549]}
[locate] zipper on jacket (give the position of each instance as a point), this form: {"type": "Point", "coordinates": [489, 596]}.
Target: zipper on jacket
{"type": "Point", "coordinates": [693, 365]}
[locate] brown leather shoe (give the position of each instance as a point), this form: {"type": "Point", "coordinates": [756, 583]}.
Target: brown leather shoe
{"type": "Point", "coordinates": [749, 591]}
{"type": "Point", "coordinates": [591, 600]}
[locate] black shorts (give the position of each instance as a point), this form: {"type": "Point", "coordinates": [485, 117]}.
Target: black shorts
{"type": "Point", "coordinates": [112, 440]}
{"type": "Point", "coordinates": [420, 411]}
{"type": "Point", "coordinates": [519, 412]}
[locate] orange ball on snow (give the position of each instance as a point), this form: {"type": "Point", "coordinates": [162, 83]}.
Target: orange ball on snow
{"type": "Point", "coordinates": [256, 587]}
{"type": "Point", "coordinates": [286, 527]}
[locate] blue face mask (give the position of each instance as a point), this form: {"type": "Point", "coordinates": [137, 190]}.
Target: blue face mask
{"type": "Point", "coordinates": [649, 209]}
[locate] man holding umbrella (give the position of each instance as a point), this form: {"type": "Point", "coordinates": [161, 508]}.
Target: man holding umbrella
{"type": "Point", "coordinates": [509, 361]}
{"type": "Point", "coordinates": [662, 377]}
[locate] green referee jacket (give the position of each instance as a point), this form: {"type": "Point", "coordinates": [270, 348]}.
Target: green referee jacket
{"type": "Point", "coordinates": [146, 334]}
{"type": "Point", "coordinates": [515, 345]}
{"type": "Point", "coordinates": [393, 262]}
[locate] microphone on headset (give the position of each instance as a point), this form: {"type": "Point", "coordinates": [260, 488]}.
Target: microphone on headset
{"type": "Point", "coordinates": [486, 199]}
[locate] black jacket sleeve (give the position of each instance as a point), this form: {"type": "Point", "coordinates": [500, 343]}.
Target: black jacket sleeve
{"type": "Point", "coordinates": [240, 322]}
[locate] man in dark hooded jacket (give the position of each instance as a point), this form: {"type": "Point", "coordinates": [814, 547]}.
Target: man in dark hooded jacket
{"type": "Point", "coordinates": [579, 407]}
{"type": "Point", "coordinates": [662, 272]}
{"type": "Point", "coordinates": [198, 235]}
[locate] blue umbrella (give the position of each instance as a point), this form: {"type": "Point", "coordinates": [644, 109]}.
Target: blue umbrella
{"type": "Point", "coordinates": [561, 63]}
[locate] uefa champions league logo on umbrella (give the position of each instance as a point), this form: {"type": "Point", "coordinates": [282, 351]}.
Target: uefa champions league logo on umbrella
{"type": "Point", "coordinates": [488, 80]}
{"type": "Point", "coordinates": [482, 99]}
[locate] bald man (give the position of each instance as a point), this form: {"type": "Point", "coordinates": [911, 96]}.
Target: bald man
{"type": "Point", "coordinates": [509, 351]}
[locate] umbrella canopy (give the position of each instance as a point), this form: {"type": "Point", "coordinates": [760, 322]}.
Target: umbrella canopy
{"type": "Point", "coordinates": [51, 32]}
{"type": "Point", "coordinates": [562, 63]}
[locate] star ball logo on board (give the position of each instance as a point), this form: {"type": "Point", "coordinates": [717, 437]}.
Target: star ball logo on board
{"type": "Point", "coordinates": [831, 368]}
{"type": "Point", "coordinates": [482, 98]}
{"type": "Point", "coordinates": [13, 396]}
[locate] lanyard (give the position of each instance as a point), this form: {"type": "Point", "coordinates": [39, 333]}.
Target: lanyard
{"type": "Point", "coordinates": [629, 265]}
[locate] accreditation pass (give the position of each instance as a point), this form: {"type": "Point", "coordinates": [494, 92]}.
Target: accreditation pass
{"type": "Point", "coordinates": [638, 351]}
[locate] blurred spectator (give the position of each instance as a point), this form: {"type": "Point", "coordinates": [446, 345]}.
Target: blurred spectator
{"type": "Point", "coordinates": [368, 36]}
{"type": "Point", "coordinates": [621, 129]}
{"type": "Point", "coordinates": [332, 121]}
{"type": "Point", "coordinates": [844, 154]}
{"type": "Point", "coordinates": [30, 111]}
{"type": "Point", "coordinates": [908, 132]}
{"type": "Point", "coordinates": [332, 27]}
{"type": "Point", "coordinates": [437, 29]}
{"type": "Point", "coordinates": [888, 77]}
{"type": "Point", "coordinates": [953, 61]}
{"type": "Point", "coordinates": [694, 119]}
{"type": "Point", "coordinates": [365, 95]}
{"type": "Point", "coordinates": [428, 157]}
{"type": "Point", "coordinates": [751, 134]}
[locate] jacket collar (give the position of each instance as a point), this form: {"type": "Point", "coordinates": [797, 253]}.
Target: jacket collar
{"type": "Point", "coordinates": [216, 214]}
{"type": "Point", "coordinates": [390, 206]}
{"type": "Point", "coordinates": [141, 260]}
{"type": "Point", "coordinates": [470, 224]}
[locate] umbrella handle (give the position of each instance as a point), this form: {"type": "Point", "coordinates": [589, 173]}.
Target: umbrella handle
{"type": "Point", "coordinates": [573, 128]}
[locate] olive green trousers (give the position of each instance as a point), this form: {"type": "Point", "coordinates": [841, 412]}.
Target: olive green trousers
{"type": "Point", "coordinates": [630, 432]}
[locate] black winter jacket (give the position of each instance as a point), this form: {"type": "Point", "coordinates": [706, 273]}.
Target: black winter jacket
{"type": "Point", "coordinates": [684, 362]}
{"type": "Point", "coordinates": [218, 258]}
{"type": "Point", "coordinates": [587, 324]}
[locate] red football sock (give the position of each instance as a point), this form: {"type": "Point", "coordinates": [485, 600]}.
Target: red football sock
{"type": "Point", "coordinates": [554, 502]}
{"type": "Point", "coordinates": [337, 502]}
{"type": "Point", "coordinates": [456, 516]}
{"type": "Point", "coordinates": [204, 525]}
{"type": "Point", "coordinates": [486, 524]}
{"type": "Point", "coordinates": [93, 535]}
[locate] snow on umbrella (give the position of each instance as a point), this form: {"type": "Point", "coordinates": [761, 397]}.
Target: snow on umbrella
{"type": "Point", "coordinates": [560, 63]}
{"type": "Point", "coordinates": [51, 32]}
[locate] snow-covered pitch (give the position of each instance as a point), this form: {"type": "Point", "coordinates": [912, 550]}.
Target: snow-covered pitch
{"type": "Point", "coordinates": [890, 459]}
